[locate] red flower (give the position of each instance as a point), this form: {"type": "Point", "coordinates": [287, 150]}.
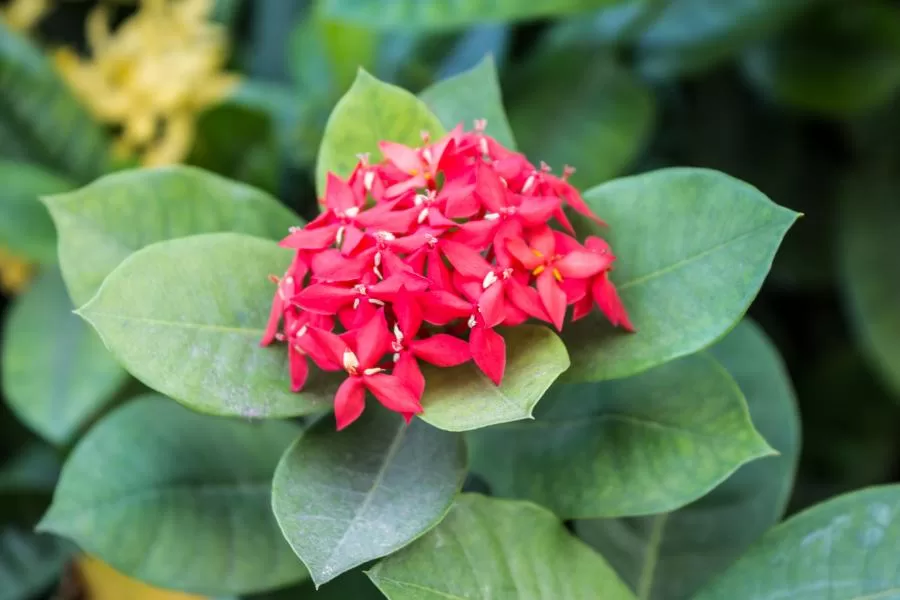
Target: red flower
{"type": "Point", "coordinates": [454, 234]}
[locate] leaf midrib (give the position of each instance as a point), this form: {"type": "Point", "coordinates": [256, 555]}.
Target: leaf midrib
{"type": "Point", "coordinates": [417, 586]}
{"type": "Point", "coordinates": [686, 261]}
{"type": "Point", "coordinates": [175, 324]}
{"type": "Point", "coordinates": [651, 557]}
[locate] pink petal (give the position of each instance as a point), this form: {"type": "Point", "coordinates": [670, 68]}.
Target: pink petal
{"type": "Point", "coordinates": [438, 272]}
{"type": "Point", "coordinates": [582, 308]}
{"type": "Point", "coordinates": [607, 298]}
{"type": "Point", "coordinates": [349, 401]}
{"type": "Point", "coordinates": [324, 299]}
{"type": "Point", "coordinates": [373, 340]}
{"type": "Point", "coordinates": [405, 158]}
{"type": "Point", "coordinates": [409, 315]}
{"type": "Point", "coordinates": [339, 195]}
{"type": "Point", "coordinates": [323, 347]}
{"type": "Point", "coordinates": [298, 368]}
{"type": "Point", "coordinates": [581, 264]}
{"type": "Point", "coordinates": [352, 238]}
{"type": "Point", "coordinates": [444, 306]}
{"type": "Point", "coordinates": [460, 200]}
{"type": "Point", "coordinates": [333, 266]}
{"type": "Point", "coordinates": [311, 239]}
{"type": "Point", "coordinates": [491, 305]}
{"type": "Point", "coordinates": [525, 299]}
{"type": "Point", "coordinates": [489, 352]}
{"type": "Point", "coordinates": [537, 210]}
{"type": "Point", "coordinates": [520, 250]}
{"type": "Point", "coordinates": [477, 233]}
{"type": "Point", "coordinates": [553, 297]}
{"type": "Point", "coordinates": [442, 350]}
{"type": "Point", "coordinates": [407, 370]}
{"type": "Point", "coordinates": [543, 240]}
{"type": "Point", "coordinates": [466, 261]}
{"type": "Point", "coordinates": [393, 393]}
{"type": "Point", "coordinates": [490, 189]}
{"type": "Point", "coordinates": [274, 320]}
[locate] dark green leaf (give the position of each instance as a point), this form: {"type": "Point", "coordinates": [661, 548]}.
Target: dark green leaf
{"type": "Point", "coordinates": [349, 586]}
{"type": "Point", "coordinates": [29, 563]}
{"type": "Point", "coordinates": [595, 116]}
{"type": "Point", "coordinates": [670, 555]}
{"type": "Point", "coordinates": [463, 398]}
{"type": "Point", "coordinates": [842, 59]}
{"type": "Point", "coordinates": [503, 549]}
{"type": "Point", "coordinates": [693, 247]}
{"type": "Point", "coordinates": [56, 373]}
{"type": "Point", "coordinates": [25, 227]}
{"type": "Point", "coordinates": [638, 446]}
{"type": "Point", "coordinates": [38, 109]}
{"type": "Point", "coordinates": [177, 499]}
{"type": "Point", "coordinates": [102, 223]}
{"type": "Point", "coordinates": [472, 95]}
{"type": "Point", "coordinates": [447, 14]}
{"type": "Point", "coordinates": [186, 317]}
{"type": "Point", "coordinates": [371, 111]}
{"type": "Point", "coordinates": [344, 498]}
{"type": "Point", "coordinates": [843, 548]}
{"type": "Point", "coordinates": [869, 245]}
{"type": "Point", "coordinates": [691, 35]}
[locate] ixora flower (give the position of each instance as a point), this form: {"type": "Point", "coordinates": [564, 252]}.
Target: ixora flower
{"type": "Point", "coordinates": [153, 76]}
{"type": "Point", "coordinates": [421, 257]}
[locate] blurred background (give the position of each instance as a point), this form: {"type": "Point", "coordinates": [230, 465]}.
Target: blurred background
{"type": "Point", "coordinates": [798, 97]}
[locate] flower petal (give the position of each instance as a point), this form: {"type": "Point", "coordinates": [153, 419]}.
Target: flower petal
{"type": "Point", "coordinates": [442, 306]}
{"type": "Point", "coordinates": [349, 401]}
{"type": "Point", "coordinates": [324, 298]}
{"type": "Point", "coordinates": [526, 299]}
{"type": "Point", "coordinates": [543, 240]}
{"type": "Point", "coordinates": [466, 261]}
{"type": "Point", "coordinates": [404, 158]}
{"type": "Point", "coordinates": [520, 250]}
{"type": "Point", "coordinates": [553, 298]}
{"type": "Point", "coordinates": [489, 189]}
{"type": "Point", "coordinates": [407, 370]}
{"type": "Point", "coordinates": [373, 340]}
{"type": "Point", "coordinates": [339, 195]}
{"type": "Point", "coordinates": [607, 298]}
{"type": "Point", "coordinates": [491, 305]}
{"type": "Point", "coordinates": [393, 393]}
{"type": "Point", "coordinates": [311, 239]}
{"type": "Point", "coordinates": [442, 350]}
{"type": "Point", "coordinates": [489, 352]}
{"type": "Point", "coordinates": [298, 367]}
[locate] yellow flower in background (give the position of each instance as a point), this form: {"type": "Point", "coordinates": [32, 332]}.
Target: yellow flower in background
{"type": "Point", "coordinates": [152, 76]}
{"type": "Point", "coordinates": [15, 273]}
{"type": "Point", "coordinates": [99, 581]}
{"type": "Point", "coordinates": [23, 15]}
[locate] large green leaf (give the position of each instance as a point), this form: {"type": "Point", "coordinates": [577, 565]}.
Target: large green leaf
{"type": "Point", "coordinates": [29, 562]}
{"type": "Point", "coordinates": [344, 498]}
{"type": "Point", "coordinates": [56, 373]}
{"type": "Point", "coordinates": [694, 247]}
{"type": "Point", "coordinates": [349, 586]}
{"type": "Point", "coordinates": [498, 549]}
{"type": "Point", "coordinates": [638, 446]}
{"type": "Point", "coordinates": [842, 59]}
{"type": "Point", "coordinates": [670, 555]}
{"type": "Point", "coordinates": [474, 94]}
{"type": "Point", "coordinates": [844, 548]}
{"type": "Point", "coordinates": [102, 223]}
{"type": "Point", "coordinates": [371, 111]}
{"type": "Point", "coordinates": [690, 35]}
{"type": "Point", "coordinates": [50, 127]}
{"type": "Point", "coordinates": [446, 14]}
{"type": "Point", "coordinates": [869, 245]}
{"type": "Point", "coordinates": [186, 317]}
{"type": "Point", "coordinates": [595, 116]}
{"type": "Point", "coordinates": [25, 227]}
{"type": "Point", "coordinates": [177, 499]}
{"type": "Point", "coordinates": [463, 398]}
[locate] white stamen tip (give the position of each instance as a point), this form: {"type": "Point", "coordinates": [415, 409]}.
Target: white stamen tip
{"type": "Point", "coordinates": [472, 322]}
{"type": "Point", "coordinates": [397, 333]}
{"type": "Point", "coordinates": [349, 360]}
{"type": "Point", "coordinates": [480, 124]}
{"type": "Point", "coordinates": [420, 199]}
{"type": "Point", "coordinates": [368, 180]}
{"type": "Point", "coordinates": [422, 215]}
{"type": "Point", "coordinates": [427, 155]}
{"type": "Point", "coordinates": [302, 331]}
{"type": "Point", "coordinates": [356, 304]}
{"type": "Point", "coordinates": [373, 371]}
{"type": "Point", "coordinates": [529, 183]}
{"type": "Point", "coordinates": [491, 216]}
{"type": "Point", "coordinates": [377, 259]}
{"type": "Point", "coordinates": [376, 302]}
{"type": "Point", "coordinates": [352, 212]}
{"type": "Point", "coordinates": [340, 235]}
{"type": "Point", "coordinates": [489, 280]}
{"type": "Point", "coordinates": [396, 357]}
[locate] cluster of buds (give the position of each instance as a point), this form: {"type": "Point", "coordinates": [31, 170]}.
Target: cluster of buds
{"type": "Point", "coordinates": [420, 258]}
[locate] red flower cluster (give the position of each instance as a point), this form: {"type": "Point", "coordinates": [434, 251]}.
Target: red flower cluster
{"type": "Point", "coordinates": [420, 257]}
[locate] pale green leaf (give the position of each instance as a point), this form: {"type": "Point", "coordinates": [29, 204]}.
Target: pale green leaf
{"type": "Point", "coordinates": [469, 96]}
{"type": "Point", "coordinates": [178, 500]}
{"type": "Point", "coordinates": [56, 373]}
{"type": "Point", "coordinates": [370, 112]}
{"type": "Point", "coordinates": [843, 548]}
{"type": "Point", "coordinates": [693, 248]}
{"type": "Point", "coordinates": [638, 446]}
{"type": "Point", "coordinates": [186, 317]}
{"type": "Point", "coordinates": [498, 549]}
{"type": "Point", "coordinates": [463, 398]}
{"type": "Point", "coordinates": [102, 223]}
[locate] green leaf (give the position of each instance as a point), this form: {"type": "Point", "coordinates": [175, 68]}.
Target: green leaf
{"type": "Point", "coordinates": [844, 548]}
{"type": "Point", "coordinates": [692, 35]}
{"type": "Point", "coordinates": [594, 116]}
{"type": "Point", "coordinates": [671, 555]}
{"type": "Point", "coordinates": [868, 247]}
{"type": "Point", "coordinates": [102, 223]}
{"type": "Point", "coordinates": [693, 247]}
{"type": "Point", "coordinates": [449, 14]}
{"type": "Point", "coordinates": [463, 398]}
{"type": "Point", "coordinates": [349, 586]}
{"type": "Point", "coordinates": [25, 227]}
{"type": "Point", "coordinates": [371, 111]}
{"type": "Point", "coordinates": [840, 60]}
{"type": "Point", "coordinates": [49, 125]}
{"type": "Point", "coordinates": [29, 563]}
{"type": "Point", "coordinates": [344, 498]}
{"type": "Point", "coordinates": [490, 548]}
{"type": "Point", "coordinates": [56, 373]}
{"type": "Point", "coordinates": [177, 499]}
{"type": "Point", "coordinates": [474, 94]}
{"type": "Point", "coordinates": [186, 317]}
{"type": "Point", "coordinates": [35, 468]}
{"type": "Point", "coordinates": [638, 446]}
